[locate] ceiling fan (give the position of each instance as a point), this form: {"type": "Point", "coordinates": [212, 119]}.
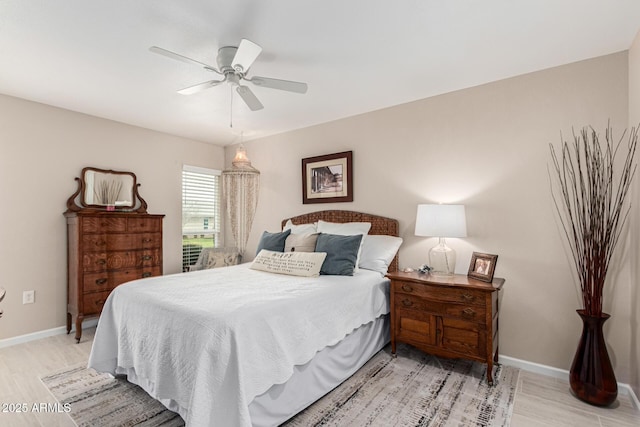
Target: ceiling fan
{"type": "Point", "coordinates": [233, 65]}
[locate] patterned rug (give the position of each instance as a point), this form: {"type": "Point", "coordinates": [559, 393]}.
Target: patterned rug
{"type": "Point", "coordinates": [103, 401]}
{"type": "Point", "coordinates": [414, 389]}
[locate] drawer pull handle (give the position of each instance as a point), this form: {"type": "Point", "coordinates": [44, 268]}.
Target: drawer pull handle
{"type": "Point", "coordinates": [407, 303]}
{"type": "Point", "coordinates": [146, 274]}
{"type": "Point", "coordinates": [101, 281]}
{"type": "Point", "coordinates": [146, 240]}
{"type": "Point", "coordinates": [100, 243]}
{"type": "Point", "coordinates": [407, 288]}
{"type": "Point", "coordinates": [147, 257]}
{"type": "Point", "coordinates": [101, 261]}
{"type": "Point", "coordinates": [468, 312]}
{"type": "Point", "coordinates": [100, 302]}
{"type": "Point", "coordinates": [468, 297]}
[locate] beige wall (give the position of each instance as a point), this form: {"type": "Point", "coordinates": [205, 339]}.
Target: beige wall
{"type": "Point", "coordinates": [488, 148]}
{"type": "Point", "coordinates": [634, 121]}
{"type": "Point", "coordinates": [42, 149]}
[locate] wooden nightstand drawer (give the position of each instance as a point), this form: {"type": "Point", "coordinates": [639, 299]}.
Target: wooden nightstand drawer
{"type": "Point", "coordinates": [415, 327]}
{"type": "Point", "coordinates": [439, 293]}
{"type": "Point", "coordinates": [466, 312]}
{"type": "Point", "coordinates": [414, 302]}
{"type": "Point", "coordinates": [463, 337]}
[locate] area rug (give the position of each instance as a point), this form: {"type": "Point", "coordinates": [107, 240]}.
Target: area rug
{"type": "Point", "coordinates": [413, 389]}
{"type": "Point", "coordinates": [416, 389]}
{"type": "Point", "coordinates": [100, 400]}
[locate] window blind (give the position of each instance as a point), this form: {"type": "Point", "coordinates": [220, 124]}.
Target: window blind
{"type": "Point", "coordinates": [201, 224]}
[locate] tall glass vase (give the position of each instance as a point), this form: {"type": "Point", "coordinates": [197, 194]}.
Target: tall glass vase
{"type": "Point", "coordinates": [592, 378]}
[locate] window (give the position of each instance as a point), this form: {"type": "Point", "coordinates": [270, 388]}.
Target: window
{"type": "Point", "coordinates": [200, 212]}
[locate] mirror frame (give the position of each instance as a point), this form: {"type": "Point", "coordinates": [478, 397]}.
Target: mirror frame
{"type": "Point", "coordinates": [78, 201]}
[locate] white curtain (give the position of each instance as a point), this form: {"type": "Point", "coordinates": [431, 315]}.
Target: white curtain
{"type": "Point", "coordinates": [240, 187]}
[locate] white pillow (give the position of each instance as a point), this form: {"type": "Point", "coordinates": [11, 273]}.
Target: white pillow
{"type": "Point", "coordinates": [378, 251]}
{"type": "Point", "coordinates": [306, 264]}
{"type": "Point", "coordinates": [301, 228]}
{"type": "Point", "coordinates": [300, 242]}
{"type": "Point", "coordinates": [346, 229]}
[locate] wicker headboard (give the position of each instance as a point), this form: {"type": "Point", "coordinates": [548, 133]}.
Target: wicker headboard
{"type": "Point", "coordinates": [379, 224]}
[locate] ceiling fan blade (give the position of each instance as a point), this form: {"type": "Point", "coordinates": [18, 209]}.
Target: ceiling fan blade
{"type": "Point", "coordinates": [178, 57]}
{"type": "Point", "coordinates": [247, 52]}
{"type": "Point", "coordinates": [249, 98]}
{"type": "Point", "coordinates": [287, 85]}
{"type": "Point", "coordinates": [199, 87]}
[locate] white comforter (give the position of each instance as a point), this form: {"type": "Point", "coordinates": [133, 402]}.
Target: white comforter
{"type": "Point", "coordinates": [206, 343]}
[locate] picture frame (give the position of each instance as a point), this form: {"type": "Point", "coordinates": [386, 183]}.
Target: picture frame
{"type": "Point", "coordinates": [482, 266]}
{"type": "Point", "coordinates": [328, 178]}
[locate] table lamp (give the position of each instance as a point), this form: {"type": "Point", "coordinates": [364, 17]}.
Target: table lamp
{"type": "Point", "coordinates": [441, 221]}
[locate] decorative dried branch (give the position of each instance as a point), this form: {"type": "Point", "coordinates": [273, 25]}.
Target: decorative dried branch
{"type": "Point", "coordinates": [590, 201]}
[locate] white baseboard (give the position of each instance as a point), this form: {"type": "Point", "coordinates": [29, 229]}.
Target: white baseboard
{"type": "Point", "coordinates": [8, 342]}
{"type": "Point", "coordinates": [562, 374]}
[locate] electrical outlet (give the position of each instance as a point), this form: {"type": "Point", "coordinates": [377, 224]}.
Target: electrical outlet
{"type": "Point", "coordinates": [28, 297]}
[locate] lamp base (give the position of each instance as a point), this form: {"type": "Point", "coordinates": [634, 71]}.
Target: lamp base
{"type": "Point", "coordinates": [442, 259]}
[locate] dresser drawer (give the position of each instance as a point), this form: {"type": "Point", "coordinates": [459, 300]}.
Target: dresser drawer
{"type": "Point", "coordinates": [101, 242]}
{"type": "Point", "coordinates": [137, 225]}
{"type": "Point", "coordinates": [94, 302]}
{"type": "Point", "coordinates": [108, 280]}
{"type": "Point", "coordinates": [440, 293]}
{"type": "Point", "coordinates": [103, 224]}
{"type": "Point", "coordinates": [101, 261]}
{"type": "Point", "coordinates": [94, 261]}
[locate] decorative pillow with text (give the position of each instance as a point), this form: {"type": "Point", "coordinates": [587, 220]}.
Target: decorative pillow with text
{"type": "Point", "coordinates": [306, 264]}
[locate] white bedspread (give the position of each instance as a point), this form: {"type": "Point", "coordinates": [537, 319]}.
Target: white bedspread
{"type": "Point", "coordinates": [206, 343]}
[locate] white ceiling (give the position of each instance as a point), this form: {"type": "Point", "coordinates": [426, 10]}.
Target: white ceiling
{"type": "Point", "coordinates": [356, 55]}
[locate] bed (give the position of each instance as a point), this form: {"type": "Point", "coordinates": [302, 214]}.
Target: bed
{"type": "Point", "coordinates": [237, 346]}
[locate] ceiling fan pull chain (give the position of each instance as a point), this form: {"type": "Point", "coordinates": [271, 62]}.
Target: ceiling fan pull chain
{"type": "Point", "coordinates": [231, 108]}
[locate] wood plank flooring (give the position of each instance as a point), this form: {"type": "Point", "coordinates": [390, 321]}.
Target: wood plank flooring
{"type": "Point", "coordinates": [540, 400]}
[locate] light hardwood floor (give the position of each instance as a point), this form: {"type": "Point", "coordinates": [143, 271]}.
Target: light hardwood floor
{"type": "Point", "coordinates": [540, 400]}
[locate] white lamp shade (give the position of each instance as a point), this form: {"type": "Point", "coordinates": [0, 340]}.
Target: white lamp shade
{"type": "Point", "coordinates": [441, 221]}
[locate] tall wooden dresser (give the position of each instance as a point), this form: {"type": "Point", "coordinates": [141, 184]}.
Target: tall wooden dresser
{"type": "Point", "coordinates": [107, 247]}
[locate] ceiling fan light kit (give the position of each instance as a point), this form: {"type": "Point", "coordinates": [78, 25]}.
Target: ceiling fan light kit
{"type": "Point", "coordinates": [233, 64]}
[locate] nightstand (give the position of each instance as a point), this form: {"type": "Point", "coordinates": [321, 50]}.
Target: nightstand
{"type": "Point", "coordinates": [453, 316]}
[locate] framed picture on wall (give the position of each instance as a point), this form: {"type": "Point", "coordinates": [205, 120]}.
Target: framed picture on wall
{"type": "Point", "coordinates": [328, 178]}
{"type": "Point", "coordinates": [482, 266]}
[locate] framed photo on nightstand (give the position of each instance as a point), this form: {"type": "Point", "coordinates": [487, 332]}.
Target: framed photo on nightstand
{"type": "Point", "coordinates": [482, 266]}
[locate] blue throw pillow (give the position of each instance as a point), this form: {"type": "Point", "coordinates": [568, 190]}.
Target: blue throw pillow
{"type": "Point", "coordinates": [273, 241]}
{"type": "Point", "coordinates": [342, 253]}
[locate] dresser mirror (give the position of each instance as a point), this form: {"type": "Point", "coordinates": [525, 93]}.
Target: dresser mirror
{"type": "Point", "coordinates": [104, 188]}
{"type": "Point", "coordinates": [108, 190]}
